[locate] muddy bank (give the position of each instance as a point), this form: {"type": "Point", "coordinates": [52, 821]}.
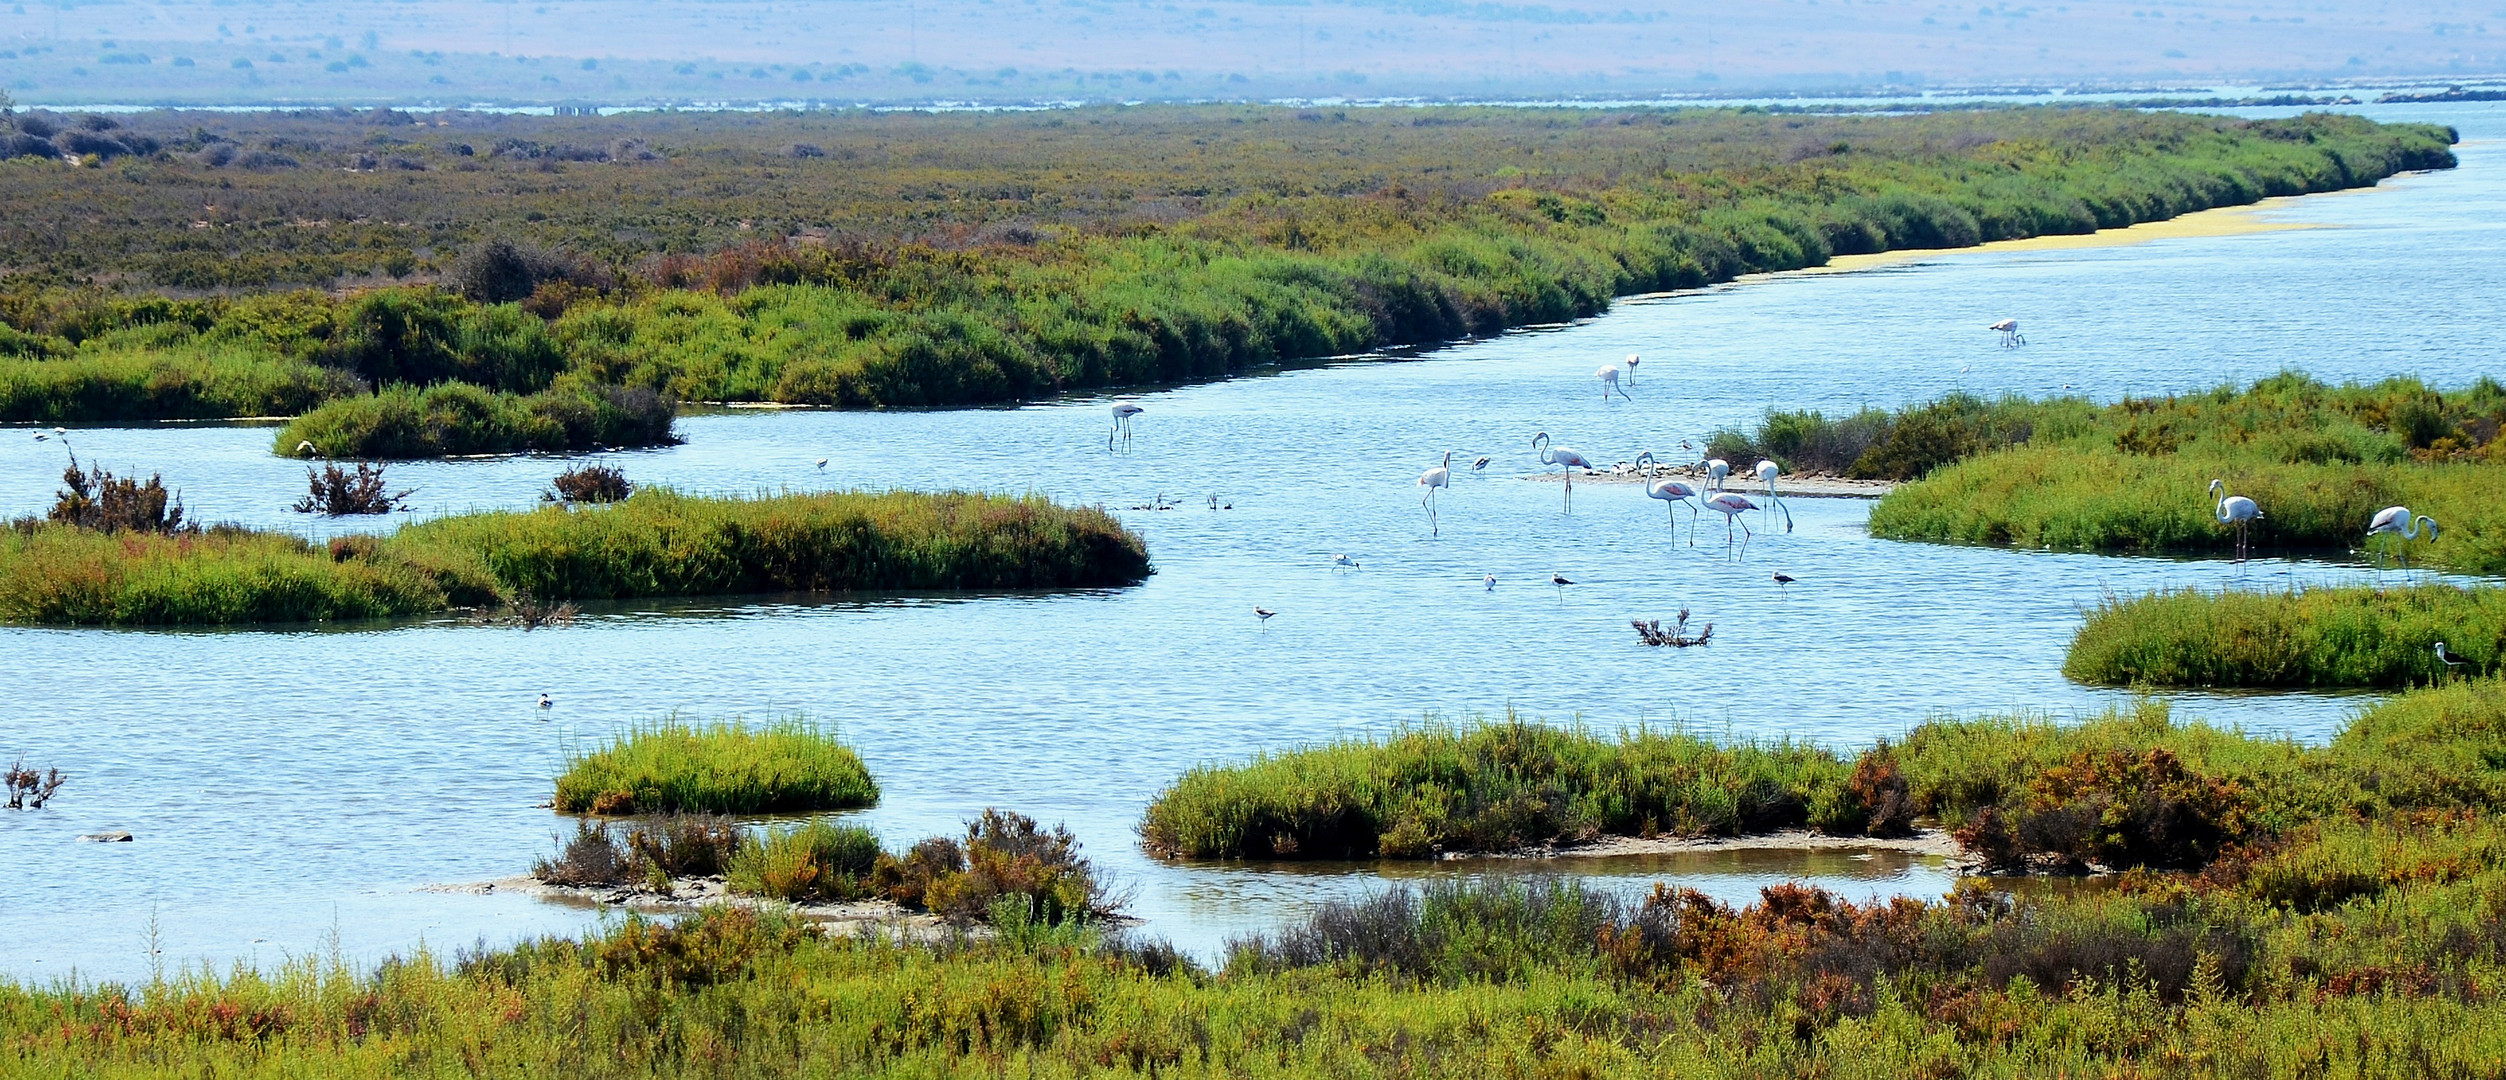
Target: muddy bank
{"type": "Point", "coordinates": [1923, 842]}
{"type": "Point", "coordinates": [685, 895]}
{"type": "Point", "coordinates": [1804, 486]}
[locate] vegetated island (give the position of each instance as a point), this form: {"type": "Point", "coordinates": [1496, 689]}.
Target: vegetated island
{"type": "Point", "coordinates": [575, 275]}
{"type": "Point", "coordinates": [655, 543]}
{"type": "Point", "coordinates": [2349, 923]}
{"type": "Point", "coordinates": [676, 767]}
{"type": "Point", "coordinates": [2134, 476]}
{"type": "Point", "coordinates": [2333, 637]}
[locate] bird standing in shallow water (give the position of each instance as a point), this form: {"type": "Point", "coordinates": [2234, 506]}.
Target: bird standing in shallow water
{"type": "Point", "coordinates": [1491, 581]}
{"type": "Point", "coordinates": [544, 703]}
{"type": "Point", "coordinates": [1123, 412]}
{"type": "Point", "coordinates": [1559, 580]}
{"type": "Point", "coordinates": [1343, 562]}
{"type": "Point", "coordinates": [2237, 511]}
{"type": "Point", "coordinates": [822, 463]}
{"type": "Point", "coordinates": [1439, 477]}
{"type": "Point", "coordinates": [1609, 381]}
{"type": "Point", "coordinates": [1264, 614]}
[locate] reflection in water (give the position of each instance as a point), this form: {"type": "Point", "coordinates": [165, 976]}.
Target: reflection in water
{"type": "Point", "coordinates": [285, 782]}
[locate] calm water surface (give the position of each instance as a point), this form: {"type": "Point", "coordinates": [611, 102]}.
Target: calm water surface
{"type": "Point", "coordinates": [289, 785]}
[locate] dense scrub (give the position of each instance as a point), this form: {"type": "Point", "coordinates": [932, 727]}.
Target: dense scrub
{"type": "Point", "coordinates": [655, 543]}
{"type": "Point", "coordinates": [2355, 636]}
{"type": "Point", "coordinates": [953, 260]}
{"type": "Point", "coordinates": [403, 421]}
{"type": "Point", "coordinates": [2364, 937]}
{"type": "Point", "coordinates": [2134, 476]}
{"type": "Point", "coordinates": [676, 767]}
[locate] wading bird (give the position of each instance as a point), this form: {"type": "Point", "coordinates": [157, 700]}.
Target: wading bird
{"type": "Point", "coordinates": [2399, 521]}
{"type": "Point", "coordinates": [1631, 368]}
{"type": "Point", "coordinates": [1672, 492]}
{"type": "Point", "coordinates": [545, 703]}
{"type": "Point", "coordinates": [1123, 412]}
{"type": "Point", "coordinates": [1784, 580]}
{"type": "Point", "coordinates": [1767, 472]}
{"type": "Point", "coordinates": [1264, 614]}
{"type": "Point", "coordinates": [2236, 511]}
{"type": "Point", "coordinates": [1609, 381]}
{"type": "Point", "coordinates": [305, 448]}
{"type": "Point", "coordinates": [1714, 470]}
{"type": "Point", "coordinates": [1732, 504]}
{"type": "Point", "coordinates": [822, 463]}
{"type": "Point", "coordinates": [1480, 464]}
{"type": "Point", "coordinates": [2450, 660]}
{"type": "Point", "coordinates": [1440, 476]}
{"type": "Point", "coordinates": [2009, 328]}
{"type": "Point", "coordinates": [1559, 580]}
{"type": "Point", "coordinates": [41, 437]}
{"type": "Point", "coordinates": [1559, 455]}
{"type": "Point", "coordinates": [1491, 581]}
{"type": "Point", "coordinates": [1343, 562]}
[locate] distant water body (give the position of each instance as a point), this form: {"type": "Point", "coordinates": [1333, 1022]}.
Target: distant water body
{"type": "Point", "coordinates": [287, 784]}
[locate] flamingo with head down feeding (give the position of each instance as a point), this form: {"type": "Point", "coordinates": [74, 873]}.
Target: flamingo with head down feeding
{"type": "Point", "coordinates": [1767, 472]}
{"type": "Point", "coordinates": [1559, 455]}
{"type": "Point", "coordinates": [1123, 412]}
{"type": "Point", "coordinates": [2009, 328]}
{"type": "Point", "coordinates": [2399, 521]}
{"type": "Point", "coordinates": [1609, 381]}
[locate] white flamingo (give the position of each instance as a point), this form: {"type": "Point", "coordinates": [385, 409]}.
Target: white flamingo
{"type": "Point", "coordinates": [1123, 412]}
{"type": "Point", "coordinates": [1672, 492]}
{"type": "Point", "coordinates": [1767, 472]}
{"type": "Point", "coordinates": [1609, 381]}
{"type": "Point", "coordinates": [1732, 504]}
{"type": "Point", "coordinates": [2236, 511]}
{"type": "Point", "coordinates": [1440, 476]}
{"type": "Point", "coordinates": [1714, 470]}
{"type": "Point", "coordinates": [2399, 521]}
{"type": "Point", "coordinates": [1560, 455]}
{"type": "Point", "coordinates": [2009, 328]}
{"type": "Point", "coordinates": [1632, 358]}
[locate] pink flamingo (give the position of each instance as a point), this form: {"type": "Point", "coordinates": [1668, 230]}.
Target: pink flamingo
{"type": "Point", "coordinates": [1561, 456]}
{"type": "Point", "coordinates": [1438, 477]}
{"type": "Point", "coordinates": [1609, 381]}
{"type": "Point", "coordinates": [1123, 412]}
{"type": "Point", "coordinates": [1672, 493]}
{"type": "Point", "coordinates": [1732, 504]}
{"type": "Point", "coordinates": [2399, 521]}
{"type": "Point", "coordinates": [2237, 511]}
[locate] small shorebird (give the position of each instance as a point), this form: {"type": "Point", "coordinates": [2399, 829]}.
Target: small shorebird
{"type": "Point", "coordinates": [1491, 582]}
{"type": "Point", "coordinates": [545, 703]}
{"type": "Point", "coordinates": [1561, 581]}
{"type": "Point", "coordinates": [1783, 580]}
{"type": "Point", "coordinates": [2451, 661]}
{"type": "Point", "coordinates": [1264, 614]}
{"type": "Point", "coordinates": [822, 463]}
{"type": "Point", "coordinates": [1343, 562]}
{"type": "Point", "coordinates": [1481, 464]}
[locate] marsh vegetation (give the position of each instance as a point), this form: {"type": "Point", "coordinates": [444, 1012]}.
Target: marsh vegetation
{"type": "Point", "coordinates": [675, 766]}
{"type": "Point", "coordinates": [2353, 636]}
{"type": "Point", "coordinates": [656, 543]}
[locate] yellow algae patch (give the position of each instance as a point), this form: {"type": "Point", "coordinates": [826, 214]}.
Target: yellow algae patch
{"type": "Point", "coordinates": [2221, 221]}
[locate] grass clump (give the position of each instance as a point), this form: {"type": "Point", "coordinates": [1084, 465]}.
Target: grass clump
{"type": "Point", "coordinates": [675, 767]}
{"type": "Point", "coordinates": [454, 418]}
{"type": "Point", "coordinates": [1494, 787]}
{"type": "Point", "coordinates": [656, 543]}
{"type": "Point", "coordinates": [2352, 636]}
{"type": "Point", "coordinates": [812, 862]}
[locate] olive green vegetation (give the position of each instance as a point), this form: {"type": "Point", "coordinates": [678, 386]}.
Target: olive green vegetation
{"type": "Point", "coordinates": [2364, 941]}
{"type": "Point", "coordinates": [2135, 476]}
{"type": "Point", "coordinates": [2356, 636]}
{"type": "Point", "coordinates": [403, 421]}
{"type": "Point", "coordinates": [1007, 257]}
{"type": "Point", "coordinates": [655, 543]}
{"type": "Point", "coordinates": [676, 767]}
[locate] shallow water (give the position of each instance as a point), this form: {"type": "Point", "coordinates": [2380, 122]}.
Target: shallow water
{"type": "Point", "coordinates": [286, 785]}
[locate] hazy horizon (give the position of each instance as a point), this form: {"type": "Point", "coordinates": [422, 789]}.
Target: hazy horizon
{"type": "Point", "coordinates": [213, 52]}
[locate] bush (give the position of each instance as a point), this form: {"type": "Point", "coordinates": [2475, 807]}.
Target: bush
{"type": "Point", "coordinates": [2323, 637]}
{"type": "Point", "coordinates": [814, 862]}
{"type": "Point", "coordinates": [96, 499]}
{"type": "Point", "coordinates": [589, 484]}
{"type": "Point", "coordinates": [671, 766]}
{"type": "Point", "coordinates": [458, 418]}
{"type": "Point", "coordinates": [337, 492]}
{"type": "Point", "coordinates": [501, 271]}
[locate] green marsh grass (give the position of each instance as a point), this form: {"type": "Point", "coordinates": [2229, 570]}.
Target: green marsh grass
{"type": "Point", "coordinates": [453, 418]}
{"type": "Point", "coordinates": [813, 861]}
{"type": "Point", "coordinates": [2350, 636]}
{"type": "Point", "coordinates": [655, 543]}
{"type": "Point", "coordinates": [677, 767]}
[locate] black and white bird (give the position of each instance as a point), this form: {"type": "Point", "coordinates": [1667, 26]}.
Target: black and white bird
{"type": "Point", "coordinates": [1783, 580]}
{"type": "Point", "coordinates": [2451, 661]}
{"type": "Point", "coordinates": [1491, 582]}
{"type": "Point", "coordinates": [822, 463]}
{"type": "Point", "coordinates": [1264, 614]}
{"type": "Point", "coordinates": [545, 703]}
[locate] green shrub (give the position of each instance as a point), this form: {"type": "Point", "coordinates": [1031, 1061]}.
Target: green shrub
{"type": "Point", "coordinates": [2324, 637]}
{"type": "Point", "coordinates": [451, 418]}
{"type": "Point", "coordinates": [815, 861]}
{"type": "Point", "coordinates": [674, 767]}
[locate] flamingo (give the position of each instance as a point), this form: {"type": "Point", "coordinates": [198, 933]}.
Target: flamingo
{"type": "Point", "coordinates": [1440, 476]}
{"type": "Point", "coordinates": [1631, 368]}
{"type": "Point", "coordinates": [1672, 493]}
{"type": "Point", "coordinates": [2399, 521]}
{"type": "Point", "coordinates": [1714, 469]}
{"type": "Point", "coordinates": [1123, 412]}
{"type": "Point", "coordinates": [1609, 381]}
{"type": "Point", "coordinates": [2009, 328]}
{"type": "Point", "coordinates": [1732, 504]}
{"type": "Point", "coordinates": [1559, 455]}
{"type": "Point", "coordinates": [1767, 472]}
{"type": "Point", "coordinates": [2235, 510]}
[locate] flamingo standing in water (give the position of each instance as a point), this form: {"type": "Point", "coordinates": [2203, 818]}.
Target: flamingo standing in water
{"type": "Point", "coordinates": [2399, 521]}
{"type": "Point", "coordinates": [1767, 472]}
{"type": "Point", "coordinates": [2009, 328]}
{"type": "Point", "coordinates": [1123, 412]}
{"type": "Point", "coordinates": [1609, 381]}
{"type": "Point", "coordinates": [2236, 511]}
{"type": "Point", "coordinates": [1559, 455]}
{"type": "Point", "coordinates": [1672, 493]}
{"type": "Point", "coordinates": [1632, 358]}
{"type": "Point", "coordinates": [1715, 469]}
{"type": "Point", "coordinates": [1732, 504]}
{"type": "Point", "coordinates": [1440, 476]}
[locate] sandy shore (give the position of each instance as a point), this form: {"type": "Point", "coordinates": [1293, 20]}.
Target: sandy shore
{"type": "Point", "coordinates": [2222, 221]}
{"type": "Point", "coordinates": [1806, 486]}
{"type": "Point", "coordinates": [690, 894]}
{"type": "Point", "coordinates": [1923, 842]}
